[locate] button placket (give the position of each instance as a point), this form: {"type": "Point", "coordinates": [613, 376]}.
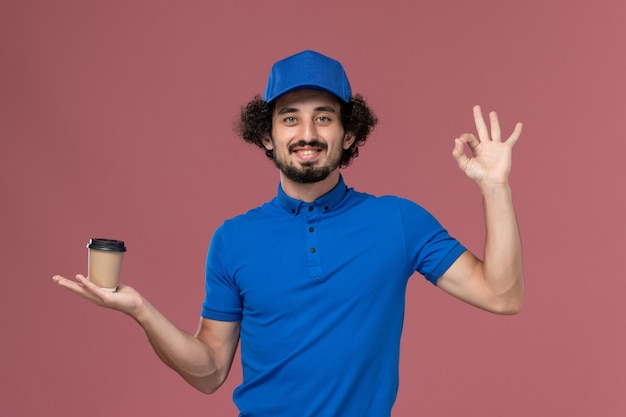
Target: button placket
{"type": "Point", "coordinates": [313, 217]}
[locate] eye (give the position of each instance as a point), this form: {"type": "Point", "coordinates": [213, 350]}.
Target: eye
{"type": "Point", "coordinates": [323, 119]}
{"type": "Point", "coordinates": [290, 120]}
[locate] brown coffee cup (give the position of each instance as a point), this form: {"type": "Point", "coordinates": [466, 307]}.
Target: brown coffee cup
{"type": "Point", "coordinates": [105, 262]}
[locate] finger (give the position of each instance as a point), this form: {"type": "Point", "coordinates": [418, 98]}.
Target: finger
{"type": "Point", "coordinates": [80, 286]}
{"type": "Point", "coordinates": [481, 127]}
{"type": "Point", "coordinates": [515, 135]}
{"type": "Point", "coordinates": [67, 283]}
{"type": "Point", "coordinates": [76, 287]}
{"type": "Point", "coordinates": [495, 127]}
{"type": "Point", "coordinates": [471, 141]}
{"type": "Point", "coordinates": [91, 287]}
{"type": "Point", "coordinates": [86, 283]}
{"type": "Point", "coordinates": [459, 153]}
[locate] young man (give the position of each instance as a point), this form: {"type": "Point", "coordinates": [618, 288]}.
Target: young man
{"type": "Point", "coordinates": [313, 282]}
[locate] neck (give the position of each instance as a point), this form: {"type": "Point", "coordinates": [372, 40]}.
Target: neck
{"type": "Point", "coordinates": [309, 192]}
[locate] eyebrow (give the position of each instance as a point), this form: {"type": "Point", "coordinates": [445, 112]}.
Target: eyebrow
{"type": "Point", "coordinates": [286, 110]}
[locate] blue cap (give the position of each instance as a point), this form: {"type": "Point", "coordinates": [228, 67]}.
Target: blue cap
{"type": "Point", "coordinates": [308, 69]}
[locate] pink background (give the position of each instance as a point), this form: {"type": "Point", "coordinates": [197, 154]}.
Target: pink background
{"type": "Point", "coordinates": [115, 121]}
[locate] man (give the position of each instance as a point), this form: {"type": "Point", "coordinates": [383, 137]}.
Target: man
{"type": "Point", "coordinates": [313, 282]}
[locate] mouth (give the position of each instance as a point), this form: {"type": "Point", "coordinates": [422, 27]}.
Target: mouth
{"type": "Point", "coordinates": [308, 152]}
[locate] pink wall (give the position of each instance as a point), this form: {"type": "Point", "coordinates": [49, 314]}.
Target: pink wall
{"type": "Point", "coordinates": [115, 121]}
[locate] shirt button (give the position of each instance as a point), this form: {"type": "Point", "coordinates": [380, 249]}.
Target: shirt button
{"type": "Point", "coordinates": [312, 250]}
{"type": "Point", "coordinates": [311, 229]}
{"type": "Point", "coordinates": [310, 208]}
{"type": "Point", "coordinates": [293, 211]}
{"type": "Point", "coordinates": [326, 208]}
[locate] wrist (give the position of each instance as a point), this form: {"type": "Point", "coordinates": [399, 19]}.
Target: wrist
{"type": "Point", "coordinates": [491, 189]}
{"type": "Point", "coordinates": [141, 311]}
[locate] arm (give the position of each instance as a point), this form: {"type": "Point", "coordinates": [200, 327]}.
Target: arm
{"type": "Point", "coordinates": [496, 283]}
{"type": "Point", "coordinates": [203, 360]}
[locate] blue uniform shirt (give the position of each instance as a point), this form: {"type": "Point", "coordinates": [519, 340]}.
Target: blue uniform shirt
{"type": "Point", "coordinates": [319, 290]}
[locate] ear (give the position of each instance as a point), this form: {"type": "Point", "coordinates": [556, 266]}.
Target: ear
{"type": "Point", "coordinates": [267, 142]}
{"type": "Point", "coordinates": [348, 140]}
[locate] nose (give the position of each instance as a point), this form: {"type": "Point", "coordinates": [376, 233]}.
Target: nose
{"type": "Point", "coordinates": [308, 131]}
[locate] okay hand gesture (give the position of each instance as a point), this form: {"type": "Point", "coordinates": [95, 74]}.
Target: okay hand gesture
{"type": "Point", "coordinates": [490, 159]}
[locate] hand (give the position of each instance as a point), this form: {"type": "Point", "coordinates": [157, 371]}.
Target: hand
{"type": "Point", "coordinates": [124, 299]}
{"type": "Point", "coordinates": [490, 161]}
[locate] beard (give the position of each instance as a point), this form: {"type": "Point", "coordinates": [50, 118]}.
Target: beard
{"type": "Point", "coordinates": [307, 173]}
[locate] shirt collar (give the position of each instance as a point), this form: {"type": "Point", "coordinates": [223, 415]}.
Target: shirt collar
{"type": "Point", "coordinates": [326, 202]}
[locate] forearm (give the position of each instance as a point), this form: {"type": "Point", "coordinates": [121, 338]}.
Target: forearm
{"type": "Point", "coordinates": [189, 356]}
{"type": "Point", "coordinates": [502, 265]}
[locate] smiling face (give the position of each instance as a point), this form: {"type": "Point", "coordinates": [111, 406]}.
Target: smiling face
{"type": "Point", "coordinates": [307, 137]}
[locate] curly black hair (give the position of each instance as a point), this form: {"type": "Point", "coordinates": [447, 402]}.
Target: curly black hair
{"type": "Point", "coordinates": [255, 122]}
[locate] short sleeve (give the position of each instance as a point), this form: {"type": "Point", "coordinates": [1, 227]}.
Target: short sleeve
{"type": "Point", "coordinates": [222, 300]}
{"type": "Point", "coordinates": [430, 248]}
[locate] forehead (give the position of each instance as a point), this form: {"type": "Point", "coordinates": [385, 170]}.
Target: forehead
{"type": "Point", "coordinates": [306, 97]}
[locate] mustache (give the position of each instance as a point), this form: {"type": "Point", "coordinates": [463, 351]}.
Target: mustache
{"type": "Point", "coordinates": [314, 143]}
